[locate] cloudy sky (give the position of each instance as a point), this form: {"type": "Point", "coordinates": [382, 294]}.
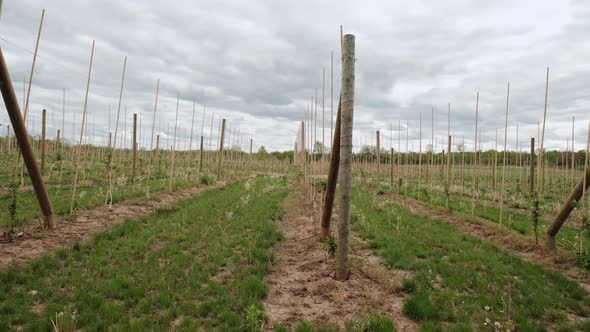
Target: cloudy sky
{"type": "Point", "coordinates": [258, 64]}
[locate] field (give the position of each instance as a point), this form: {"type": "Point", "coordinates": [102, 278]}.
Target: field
{"type": "Point", "coordinates": [140, 228]}
{"type": "Point", "coordinates": [209, 261]}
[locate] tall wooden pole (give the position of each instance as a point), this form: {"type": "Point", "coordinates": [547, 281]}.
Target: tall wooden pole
{"type": "Point", "coordinates": [221, 143]}
{"type": "Point", "coordinates": [22, 138]}
{"type": "Point", "coordinates": [348, 77]}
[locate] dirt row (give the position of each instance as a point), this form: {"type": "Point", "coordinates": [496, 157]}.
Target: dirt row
{"type": "Point", "coordinates": [301, 280]}
{"type": "Point", "coordinates": [519, 245]}
{"type": "Point", "coordinates": [34, 241]}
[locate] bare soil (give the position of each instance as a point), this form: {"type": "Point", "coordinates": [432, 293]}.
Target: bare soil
{"type": "Point", "coordinates": [32, 240]}
{"type": "Point", "coordinates": [519, 245]}
{"type": "Point", "coordinates": [301, 280]}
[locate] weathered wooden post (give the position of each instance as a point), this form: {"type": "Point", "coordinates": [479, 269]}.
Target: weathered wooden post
{"type": "Point", "coordinates": [220, 161]}
{"type": "Point", "coordinates": [566, 210]}
{"type": "Point", "coordinates": [332, 178]}
{"type": "Point", "coordinates": [22, 138]}
{"type": "Point", "coordinates": [43, 133]}
{"type": "Point", "coordinates": [134, 163]}
{"type": "Point", "coordinates": [347, 116]}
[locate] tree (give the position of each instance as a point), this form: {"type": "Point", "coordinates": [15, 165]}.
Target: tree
{"type": "Point", "coordinates": [262, 150]}
{"type": "Point", "coordinates": [319, 148]}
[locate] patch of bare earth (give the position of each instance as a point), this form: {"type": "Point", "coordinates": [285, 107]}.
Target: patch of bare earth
{"type": "Point", "coordinates": [302, 285]}
{"type": "Point", "coordinates": [35, 241]}
{"type": "Point", "coordinates": [519, 245]}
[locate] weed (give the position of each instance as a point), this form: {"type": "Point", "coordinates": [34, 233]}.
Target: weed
{"type": "Point", "coordinates": [254, 318]}
{"type": "Point", "coordinates": [332, 245]}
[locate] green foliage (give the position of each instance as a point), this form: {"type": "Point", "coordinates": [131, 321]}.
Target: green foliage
{"type": "Point", "coordinates": [206, 179]}
{"type": "Point", "coordinates": [254, 318]}
{"type": "Point", "coordinates": [332, 245]}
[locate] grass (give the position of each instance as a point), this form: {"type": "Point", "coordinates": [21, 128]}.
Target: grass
{"type": "Point", "coordinates": [517, 222]}
{"type": "Point", "coordinates": [87, 196]}
{"type": "Point", "coordinates": [198, 264]}
{"type": "Point", "coordinates": [461, 282]}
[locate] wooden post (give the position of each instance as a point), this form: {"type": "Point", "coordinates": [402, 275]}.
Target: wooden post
{"type": "Point", "coordinates": [378, 154]}
{"type": "Point", "coordinates": [348, 77]}
{"type": "Point", "coordinates": [201, 156]}
{"type": "Point", "coordinates": [532, 162]}
{"type": "Point", "coordinates": [566, 209]}
{"type": "Point", "coordinates": [220, 161]}
{"type": "Point", "coordinates": [22, 138]}
{"type": "Point", "coordinates": [332, 178]}
{"type": "Point", "coordinates": [134, 162]}
{"type": "Point", "coordinates": [43, 136]}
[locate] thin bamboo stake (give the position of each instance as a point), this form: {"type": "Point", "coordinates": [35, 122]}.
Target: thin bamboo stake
{"type": "Point", "coordinates": [378, 138]}
{"type": "Point", "coordinates": [573, 153]}
{"type": "Point", "coordinates": [474, 180]}
{"type": "Point", "coordinates": [540, 155]}
{"type": "Point", "coordinates": [532, 166]}
{"type": "Point", "coordinates": [323, 115]}
{"type": "Point", "coordinates": [331, 96]}
{"type": "Point", "coordinates": [152, 141]}
{"type": "Point", "coordinates": [72, 199]}
{"type": "Point", "coordinates": [504, 157]}
{"type": "Point", "coordinates": [114, 143]}
{"type": "Point", "coordinates": [174, 146]}
{"type": "Point", "coordinates": [43, 132]}
{"type": "Point", "coordinates": [420, 160]}
{"type": "Point", "coordinates": [134, 158]}
{"type": "Point", "coordinates": [33, 65]}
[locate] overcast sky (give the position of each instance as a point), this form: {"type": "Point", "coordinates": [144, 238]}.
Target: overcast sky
{"type": "Point", "coordinates": [258, 63]}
